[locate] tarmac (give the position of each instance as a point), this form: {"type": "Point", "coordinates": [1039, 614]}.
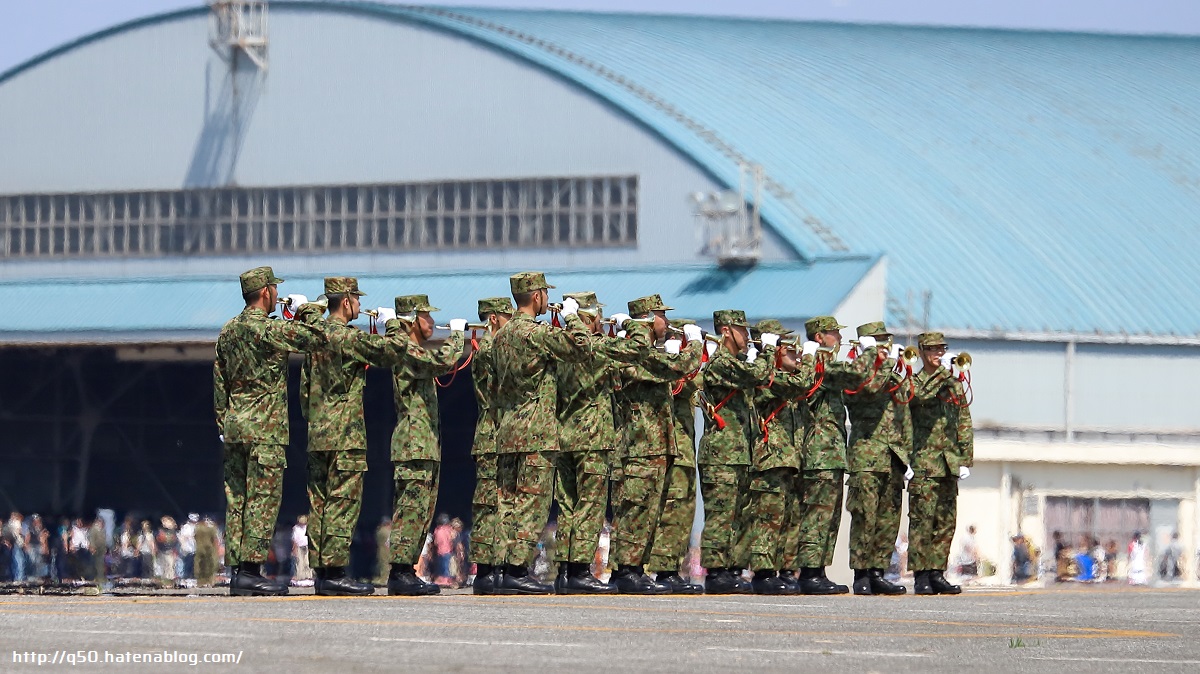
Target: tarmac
{"type": "Point", "coordinates": [1063, 629]}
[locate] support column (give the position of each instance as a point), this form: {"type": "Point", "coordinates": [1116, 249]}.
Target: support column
{"type": "Point", "coordinates": [1004, 510]}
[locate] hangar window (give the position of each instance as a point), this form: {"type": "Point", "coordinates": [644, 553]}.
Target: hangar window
{"type": "Point", "coordinates": [568, 212]}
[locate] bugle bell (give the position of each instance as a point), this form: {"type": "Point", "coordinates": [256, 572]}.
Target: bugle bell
{"type": "Point", "coordinates": [470, 326]}
{"type": "Point", "coordinates": [911, 353]}
{"type": "Point", "coordinates": [373, 313]}
{"type": "Point", "coordinates": [962, 361]}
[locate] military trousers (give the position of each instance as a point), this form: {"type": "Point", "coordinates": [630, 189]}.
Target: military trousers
{"type": "Point", "coordinates": [414, 498]}
{"type": "Point", "coordinates": [789, 555]}
{"type": "Point", "coordinates": [821, 494]}
{"type": "Point", "coordinates": [525, 482]}
{"type": "Point", "coordinates": [724, 488]}
{"type": "Point", "coordinates": [674, 533]}
{"type": "Point", "coordinates": [484, 516]}
{"type": "Point", "coordinates": [874, 500]}
{"type": "Point", "coordinates": [253, 493]}
{"type": "Point", "coordinates": [639, 506]}
{"type": "Point", "coordinates": [581, 489]}
{"type": "Point", "coordinates": [765, 519]}
{"type": "Point", "coordinates": [335, 481]}
{"type": "Point", "coordinates": [932, 513]}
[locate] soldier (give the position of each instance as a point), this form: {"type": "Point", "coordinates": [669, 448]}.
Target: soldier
{"type": "Point", "coordinates": [250, 401]}
{"type": "Point", "coordinates": [587, 437]}
{"type": "Point", "coordinates": [416, 453]}
{"type": "Point", "coordinates": [772, 503]}
{"type": "Point", "coordinates": [647, 417]}
{"type": "Point", "coordinates": [496, 312]}
{"type": "Point", "coordinates": [674, 532]}
{"type": "Point", "coordinates": [943, 451]}
{"type": "Point", "coordinates": [332, 384]}
{"type": "Point", "coordinates": [823, 452]}
{"type": "Point", "coordinates": [525, 356]}
{"type": "Point", "coordinates": [878, 455]}
{"type": "Point", "coordinates": [730, 425]}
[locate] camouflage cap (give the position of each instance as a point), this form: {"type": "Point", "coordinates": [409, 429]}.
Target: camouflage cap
{"type": "Point", "coordinates": [731, 317]}
{"type": "Point", "coordinates": [411, 304]}
{"type": "Point", "coordinates": [873, 329]}
{"type": "Point", "coordinates": [527, 281]}
{"type": "Point", "coordinates": [587, 301]}
{"type": "Point", "coordinates": [821, 323]}
{"type": "Point", "coordinates": [680, 322]}
{"type": "Point", "coordinates": [495, 305]}
{"type": "Point", "coordinates": [258, 278]}
{"type": "Point", "coordinates": [342, 285]}
{"type": "Point", "coordinates": [644, 305]}
{"type": "Point", "coordinates": [931, 339]}
{"type": "Point", "coordinates": [769, 325]}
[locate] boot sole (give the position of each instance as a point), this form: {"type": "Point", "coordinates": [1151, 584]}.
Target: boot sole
{"type": "Point", "coordinates": [343, 593]}
{"type": "Point", "coordinates": [256, 593]}
{"type": "Point", "coordinates": [577, 591]}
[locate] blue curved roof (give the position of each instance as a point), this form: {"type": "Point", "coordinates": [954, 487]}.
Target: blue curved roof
{"type": "Point", "coordinates": [1035, 182]}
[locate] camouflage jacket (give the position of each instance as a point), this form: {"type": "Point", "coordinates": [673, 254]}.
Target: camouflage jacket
{"type": "Point", "coordinates": [585, 392]}
{"type": "Point", "coordinates": [483, 379]}
{"type": "Point", "coordinates": [683, 407]}
{"type": "Point", "coordinates": [417, 433]}
{"type": "Point", "coordinates": [731, 379]}
{"type": "Point", "coordinates": [943, 435]}
{"type": "Point", "coordinates": [334, 377]}
{"type": "Point", "coordinates": [823, 416]}
{"type": "Point", "coordinates": [644, 402]}
{"type": "Point", "coordinates": [250, 375]}
{"type": "Point", "coordinates": [879, 424]}
{"type": "Point", "coordinates": [776, 446]}
{"type": "Point", "coordinates": [525, 355]}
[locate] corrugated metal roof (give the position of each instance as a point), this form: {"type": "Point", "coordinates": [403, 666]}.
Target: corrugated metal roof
{"type": "Point", "coordinates": [1036, 182]}
{"type": "Point", "coordinates": [194, 309]}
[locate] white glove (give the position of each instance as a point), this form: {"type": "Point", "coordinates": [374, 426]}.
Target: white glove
{"type": "Point", "coordinates": [294, 301]}
{"type": "Point", "coordinates": [570, 307]}
{"type": "Point", "coordinates": [711, 347]}
{"type": "Point", "coordinates": [673, 346]}
{"type": "Point", "coordinates": [693, 333]}
{"type": "Point", "coordinates": [770, 339]}
{"type": "Point", "coordinates": [221, 438]}
{"type": "Point", "coordinates": [458, 324]}
{"type": "Point", "coordinates": [751, 354]}
{"type": "Point", "coordinates": [810, 349]}
{"type": "Point", "coordinates": [908, 473]}
{"type": "Point", "coordinates": [619, 319]}
{"type": "Point", "coordinates": [963, 472]}
{"type": "Point", "coordinates": [384, 314]}
{"type": "Point", "coordinates": [894, 354]}
{"type": "Point", "coordinates": [947, 361]}
{"type": "Point", "coordinates": [867, 342]}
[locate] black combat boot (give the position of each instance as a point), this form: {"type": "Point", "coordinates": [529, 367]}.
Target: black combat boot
{"type": "Point", "coordinates": [629, 579]}
{"type": "Point", "coordinates": [812, 582]}
{"type": "Point", "coordinates": [723, 581]}
{"type": "Point", "coordinates": [516, 580]}
{"type": "Point", "coordinates": [881, 585]}
{"type": "Point", "coordinates": [247, 581]}
{"type": "Point", "coordinates": [788, 576]}
{"type": "Point", "coordinates": [403, 581]}
{"type": "Point", "coordinates": [767, 582]}
{"type": "Point", "coordinates": [577, 578]}
{"type": "Point", "coordinates": [942, 586]}
{"type": "Point", "coordinates": [485, 581]}
{"type": "Point", "coordinates": [670, 582]}
{"type": "Point", "coordinates": [841, 589]}
{"type": "Point", "coordinates": [337, 584]}
{"type": "Point", "coordinates": [921, 583]}
{"type": "Point", "coordinates": [744, 586]}
{"type": "Point", "coordinates": [862, 582]}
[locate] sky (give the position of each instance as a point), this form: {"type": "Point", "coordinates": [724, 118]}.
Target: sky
{"type": "Point", "coordinates": [30, 27]}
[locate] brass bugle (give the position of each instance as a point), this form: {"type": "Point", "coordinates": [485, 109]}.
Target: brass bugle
{"type": "Point", "coordinates": [963, 361]}
{"type": "Point", "coordinates": [373, 313]}
{"type": "Point", "coordinates": [911, 353]}
{"type": "Point", "coordinates": [555, 307]}
{"type": "Point", "coordinates": [470, 326]}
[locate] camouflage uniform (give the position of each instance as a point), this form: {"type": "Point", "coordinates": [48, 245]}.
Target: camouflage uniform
{"type": "Point", "coordinates": [674, 532]}
{"type": "Point", "coordinates": [646, 414]}
{"type": "Point", "coordinates": [484, 525]}
{"type": "Point", "coordinates": [250, 401]}
{"type": "Point", "coordinates": [771, 506]}
{"type": "Point", "coordinates": [332, 384]}
{"type": "Point", "coordinates": [525, 355]}
{"type": "Point", "coordinates": [725, 452]}
{"type": "Point", "coordinates": [823, 450]}
{"type": "Point", "coordinates": [416, 448]}
{"type": "Point", "coordinates": [587, 437]}
{"type": "Point", "coordinates": [943, 441]}
{"type": "Point", "coordinates": [880, 445]}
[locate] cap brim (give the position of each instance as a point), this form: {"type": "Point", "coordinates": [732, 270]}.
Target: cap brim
{"type": "Point", "coordinates": [837, 327]}
{"type": "Point", "coordinates": [275, 281]}
{"type": "Point", "coordinates": [548, 286]}
{"type": "Point", "coordinates": [665, 309]}
{"type": "Point", "coordinates": [431, 309]}
{"type": "Point", "coordinates": [359, 293]}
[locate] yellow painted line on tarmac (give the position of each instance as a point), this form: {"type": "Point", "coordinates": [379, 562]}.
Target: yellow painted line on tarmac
{"type": "Point", "coordinates": [1025, 631]}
